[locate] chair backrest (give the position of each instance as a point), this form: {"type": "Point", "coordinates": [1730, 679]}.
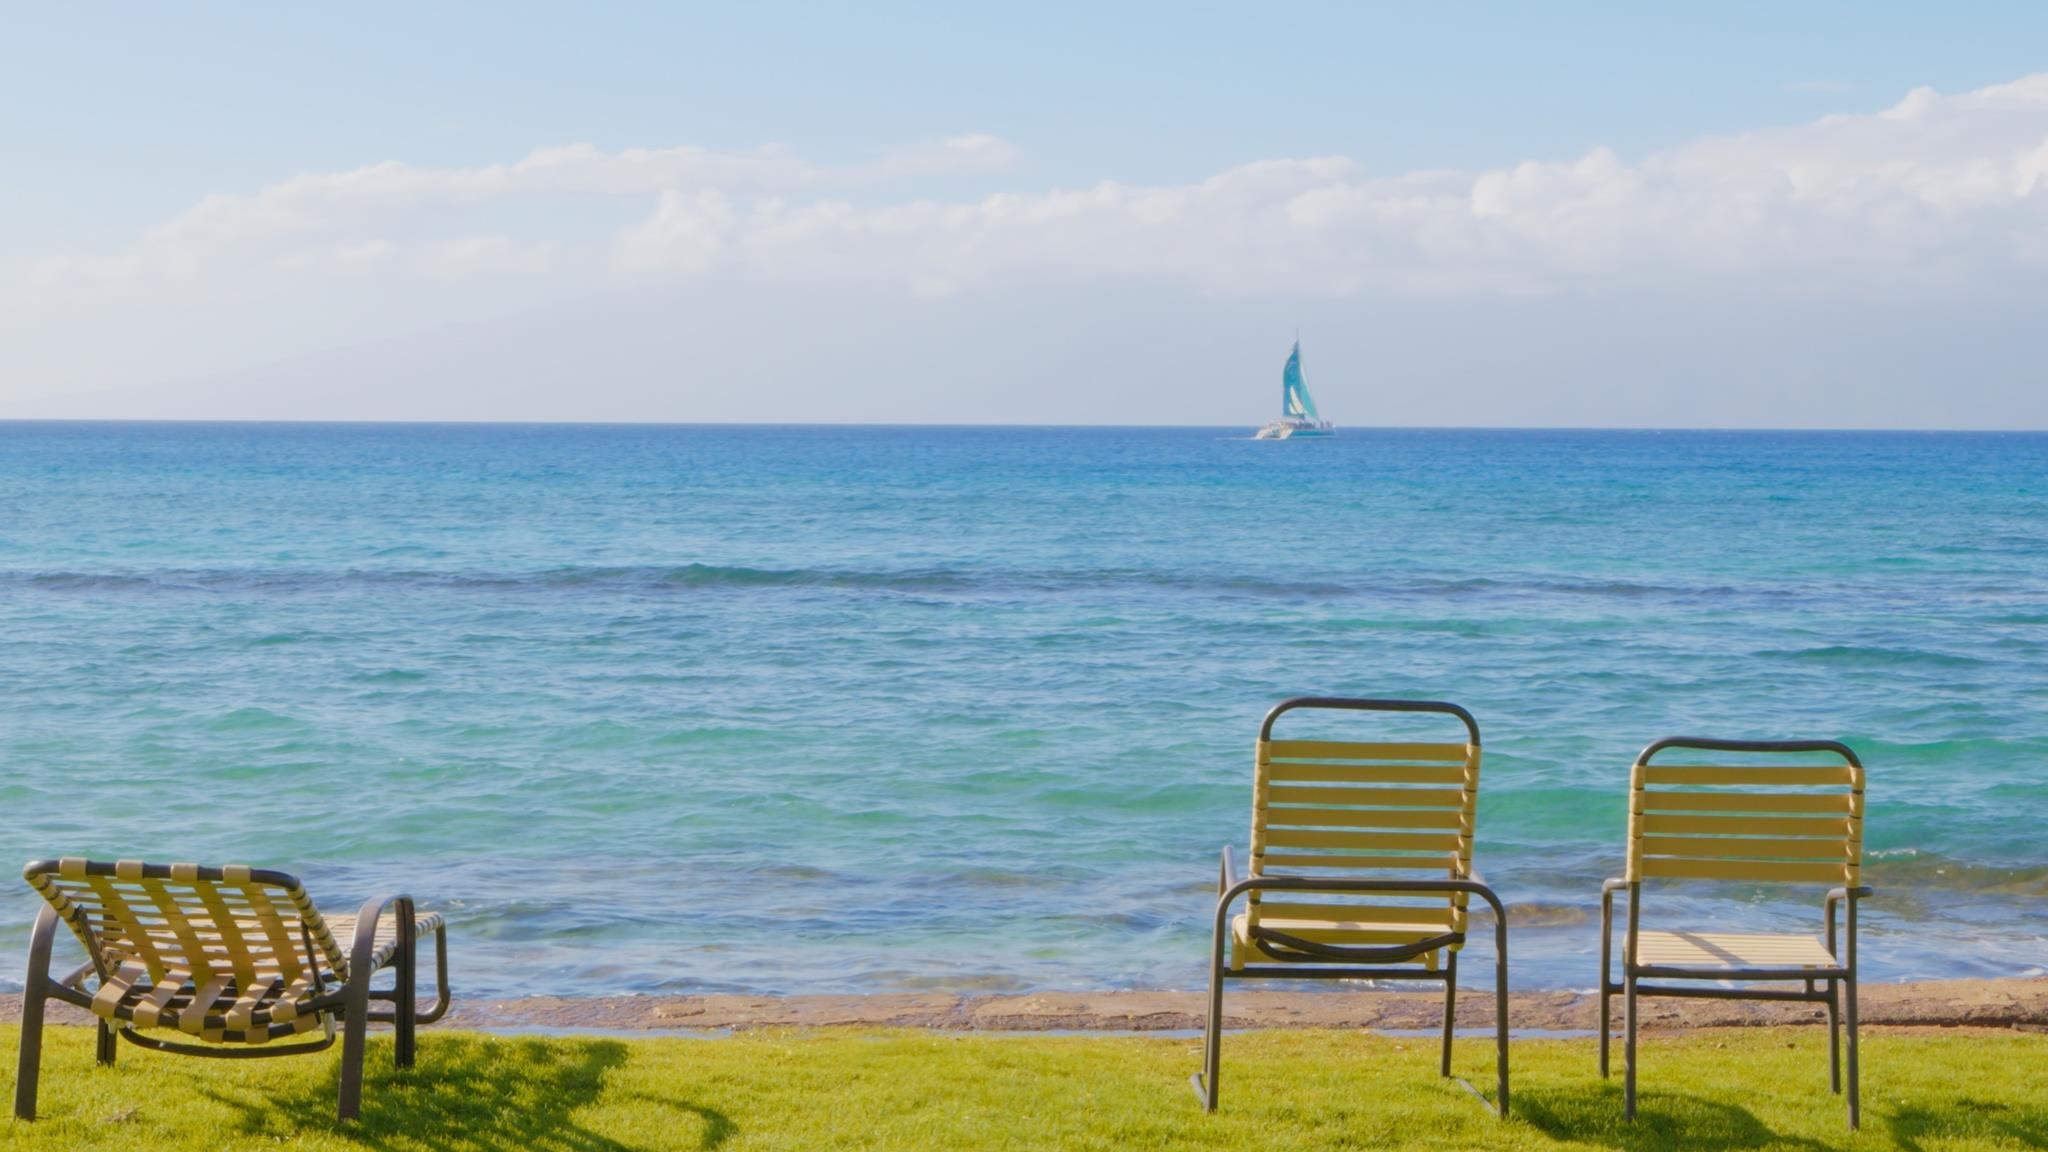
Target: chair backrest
{"type": "Point", "coordinates": [1349, 807]}
{"type": "Point", "coordinates": [1757, 811]}
{"type": "Point", "coordinates": [204, 923]}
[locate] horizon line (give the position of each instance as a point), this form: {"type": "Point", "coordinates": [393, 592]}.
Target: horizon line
{"type": "Point", "coordinates": [989, 426]}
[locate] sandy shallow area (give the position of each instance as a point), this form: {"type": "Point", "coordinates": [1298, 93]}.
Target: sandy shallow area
{"type": "Point", "coordinates": [1949, 1003]}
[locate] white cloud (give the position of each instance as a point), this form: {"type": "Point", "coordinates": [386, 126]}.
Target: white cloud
{"type": "Point", "coordinates": [1938, 194]}
{"type": "Point", "coordinates": [1935, 192]}
{"type": "Point", "coordinates": [298, 221]}
{"type": "Point", "coordinates": [464, 256]}
{"type": "Point", "coordinates": [684, 234]}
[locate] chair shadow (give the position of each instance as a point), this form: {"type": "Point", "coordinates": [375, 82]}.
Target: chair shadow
{"type": "Point", "coordinates": [1593, 1115]}
{"type": "Point", "coordinates": [470, 1094]}
{"type": "Point", "coordinates": [1909, 1125]}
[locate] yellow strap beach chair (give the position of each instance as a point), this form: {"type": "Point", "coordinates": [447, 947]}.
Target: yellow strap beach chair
{"type": "Point", "coordinates": [1360, 868]}
{"type": "Point", "coordinates": [232, 961]}
{"type": "Point", "coordinates": [1761, 812]}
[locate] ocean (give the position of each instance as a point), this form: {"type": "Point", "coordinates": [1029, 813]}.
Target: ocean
{"type": "Point", "coordinates": [845, 709]}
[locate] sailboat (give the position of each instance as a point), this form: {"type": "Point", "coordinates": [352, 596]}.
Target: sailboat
{"type": "Point", "coordinates": [1298, 416]}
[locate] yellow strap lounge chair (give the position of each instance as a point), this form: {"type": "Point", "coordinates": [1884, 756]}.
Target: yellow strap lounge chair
{"type": "Point", "coordinates": [1770, 812]}
{"type": "Point", "coordinates": [1344, 838]}
{"type": "Point", "coordinates": [231, 961]}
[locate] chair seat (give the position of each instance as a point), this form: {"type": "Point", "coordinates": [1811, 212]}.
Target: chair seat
{"type": "Point", "coordinates": [1722, 951]}
{"type": "Point", "coordinates": [1243, 949]}
{"type": "Point", "coordinates": [218, 1012]}
{"type": "Point", "coordinates": [344, 929]}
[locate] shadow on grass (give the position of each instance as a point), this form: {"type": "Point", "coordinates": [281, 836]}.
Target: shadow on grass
{"type": "Point", "coordinates": [1664, 1120]}
{"type": "Point", "coordinates": [1968, 1119]}
{"type": "Point", "coordinates": [481, 1095]}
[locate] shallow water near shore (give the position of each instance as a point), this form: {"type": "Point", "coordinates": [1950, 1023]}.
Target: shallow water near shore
{"type": "Point", "coordinates": [704, 709]}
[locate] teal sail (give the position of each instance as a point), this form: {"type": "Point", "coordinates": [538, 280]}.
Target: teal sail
{"type": "Point", "coordinates": [1295, 403]}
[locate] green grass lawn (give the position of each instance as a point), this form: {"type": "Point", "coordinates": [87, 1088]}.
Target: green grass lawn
{"type": "Point", "coordinates": [1750, 1088]}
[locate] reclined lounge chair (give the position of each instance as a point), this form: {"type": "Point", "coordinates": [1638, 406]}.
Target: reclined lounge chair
{"type": "Point", "coordinates": [231, 961]}
{"type": "Point", "coordinates": [1769, 812]}
{"type": "Point", "coordinates": [1344, 838]}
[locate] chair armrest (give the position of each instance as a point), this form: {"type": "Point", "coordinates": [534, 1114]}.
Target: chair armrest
{"type": "Point", "coordinates": [1848, 896]}
{"type": "Point", "coordinates": [364, 947]}
{"type": "Point", "coordinates": [1608, 888]}
{"type": "Point", "coordinates": [1362, 885]}
{"type": "Point", "coordinates": [1229, 876]}
{"type": "Point", "coordinates": [1843, 896]}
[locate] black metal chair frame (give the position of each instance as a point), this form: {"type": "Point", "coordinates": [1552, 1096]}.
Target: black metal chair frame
{"type": "Point", "coordinates": [1342, 962]}
{"type": "Point", "coordinates": [1839, 996]}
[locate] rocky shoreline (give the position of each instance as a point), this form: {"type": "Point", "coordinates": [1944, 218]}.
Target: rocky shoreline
{"type": "Point", "coordinates": [2016, 1003]}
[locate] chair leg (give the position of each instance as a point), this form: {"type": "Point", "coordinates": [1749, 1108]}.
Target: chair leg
{"type": "Point", "coordinates": [1606, 985]}
{"type": "Point", "coordinates": [1628, 1047]}
{"type": "Point", "coordinates": [1212, 1039]}
{"type": "Point", "coordinates": [1835, 1037]}
{"type": "Point", "coordinates": [440, 1007]}
{"type": "Point", "coordinates": [30, 1067]}
{"type": "Point", "coordinates": [107, 1048]}
{"type": "Point", "coordinates": [355, 1026]}
{"type": "Point", "coordinates": [1849, 1010]}
{"type": "Point", "coordinates": [1606, 1022]}
{"type": "Point", "coordinates": [404, 1046]}
{"type": "Point", "coordinates": [1500, 1013]}
{"type": "Point", "coordinates": [1450, 1008]}
{"type": "Point", "coordinates": [34, 996]}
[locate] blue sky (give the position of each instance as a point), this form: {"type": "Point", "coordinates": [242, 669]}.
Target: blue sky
{"type": "Point", "coordinates": [121, 119]}
{"type": "Point", "coordinates": [219, 97]}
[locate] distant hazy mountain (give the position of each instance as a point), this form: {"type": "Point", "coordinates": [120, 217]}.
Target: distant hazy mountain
{"type": "Point", "coordinates": [1134, 353]}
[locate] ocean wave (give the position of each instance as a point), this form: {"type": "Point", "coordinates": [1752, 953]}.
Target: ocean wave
{"type": "Point", "coordinates": [278, 580]}
{"type": "Point", "coordinates": [1907, 868]}
{"type": "Point", "coordinates": [709, 575]}
{"type": "Point", "coordinates": [389, 676]}
{"type": "Point", "coordinates": [927, 580]}
{"type": "Point", "coordinates": [1538, 914]}
{"type": "Point", "coordinates": [1858, 654]}
{"type": "Point", "coordinates": [251, 719]}
{"type": "Point", "coordinates": [92, 581]}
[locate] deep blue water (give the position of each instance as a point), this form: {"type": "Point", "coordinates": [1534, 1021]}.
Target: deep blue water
{"type": "Point", "coordinates": [817, 709]}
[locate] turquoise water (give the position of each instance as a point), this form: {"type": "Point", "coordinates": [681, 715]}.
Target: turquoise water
{"type": "Point", "coordinates": [868, 709]}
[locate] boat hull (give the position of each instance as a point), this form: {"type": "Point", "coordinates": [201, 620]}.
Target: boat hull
{"type": "Point", "coordinates": [1294, 430]}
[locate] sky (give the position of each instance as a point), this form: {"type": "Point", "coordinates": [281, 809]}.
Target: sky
{"type": "Point", "coordinates": [1727, 215]}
